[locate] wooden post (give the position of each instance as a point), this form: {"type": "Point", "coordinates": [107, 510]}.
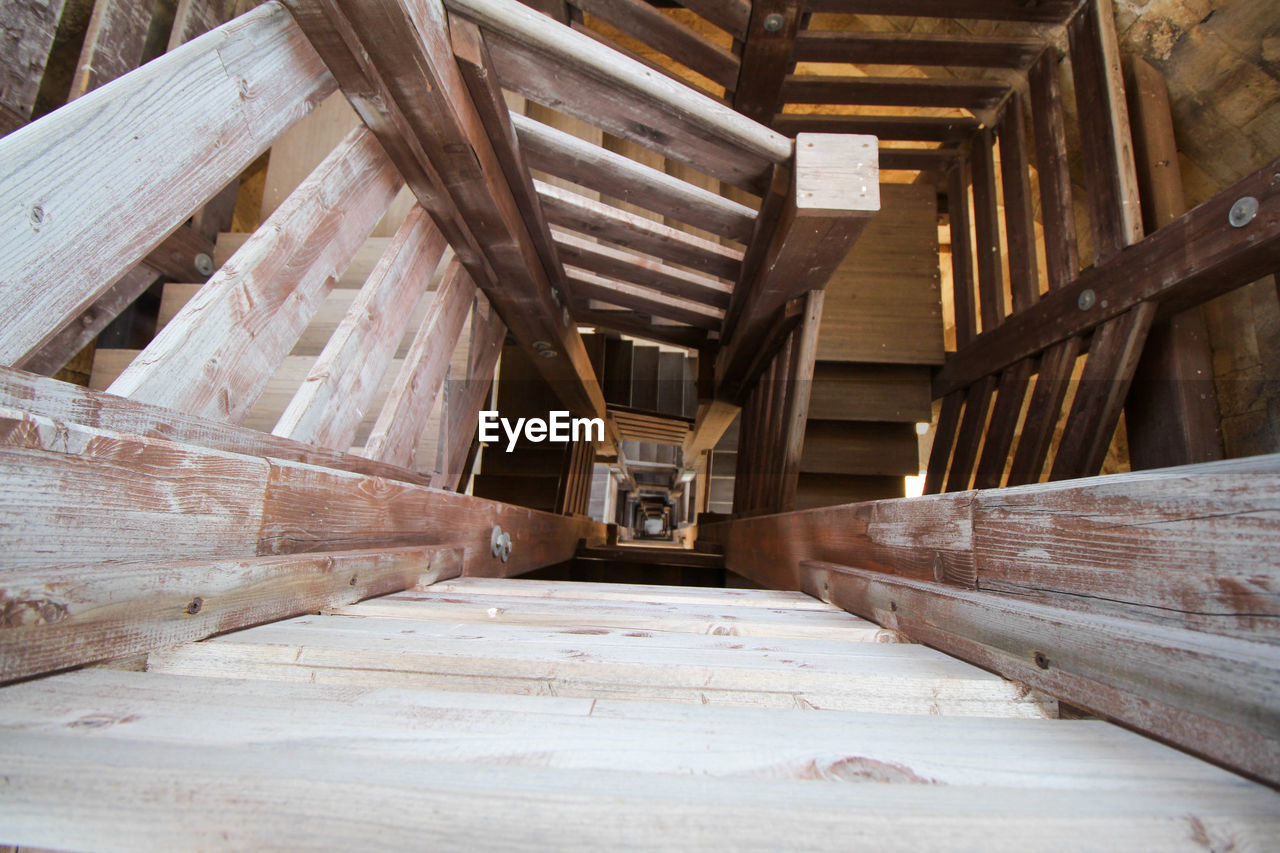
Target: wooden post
{"type": "Point", "coordinates": [766, 57]}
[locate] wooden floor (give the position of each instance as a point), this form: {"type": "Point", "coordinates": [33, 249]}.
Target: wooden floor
{"type": "Point", "coordinates": [514, 714]}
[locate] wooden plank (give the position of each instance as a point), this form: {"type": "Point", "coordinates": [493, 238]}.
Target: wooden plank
{"type": "Point", "coordinates": [437, 131]}
{"type": "Point", "coordinates": [917, 49]}
{"type": "Point", "coordinates": [774, 599]}
{"type": "Point", "coordinates": [835, 191]}
{"type": "Point", "coordinates": [463, 399]}
{"type": "Point", "coordinates": [395, 435]}
{"type": "Point", "coordinates": [579, 213]}
{"type": "Point", "coordinates": [977, 402]}
{"type": "Point", "coordinates": [1108, 372]}
{"type": "Point", "coordinates": [796, 409]}
{"type": "Point", "coordinates": [58, 619]}
{"type": "Point", "coordinates": [864, 448]}
{"type": "Point", "coordinates": [671, 386]}
{"type": "Point", "coordinates": [644, 373]}
{"type": "Point", "coordinates": [62, 401]}
{"type": "Point", "coordinates": [944, 440]}
{"type": "Point", "coordinates": [556, 66]}
{"type": "Point", "coordinates": [914, 128]}
{"type": "Point", "coordinates": [986, 234]}
{"type": "Point", "coordinates": [113, 44]}
{"type": "Point", "coordinates": [1106, 143]}
{"type": "Point", "coordinates": [29, 30]}
{"type": "Point", "coordinates": [1047, 11]}
{"type": "Point", "coordinates": [892, 91]}
{"type": "Point", "coordinates": [1053, 171]}
{"type": "Point", "coordinates": [332, 401]}
{"type": "Point", "coordinates": [58, 223]}
{"type": "Point", "coordinates": [566, 156]}
{"type": "Point", "coordinates": [1052, 383]}
{"type": "Point", "coordinates": [647, 300]}
{"type": "Point", "coordinates": [767, 56]}
{"type": "Point", "coordinates": [917, 159]}
{"type": "Point", "coordinates": [1162, 681]}
{"type": "Point", "coordinates": [732, 16]}
{"type": "Point", "coordinates": [668, 36]}
{"type": "Point", "coordinates": [610, 664]}
{"type": "Point", "coordinates": [193, 18]}
{"type": "Point", "coordinates": [1019, 215]}
{"type": "Point", "coordinates": [1189, 261]}
{"type": "Point", "coordinates": [1010, 395]}
{"type": "Point", "coordinates": [642, 270]}
{"type": "Point", "coordinates": [638, 325]}
{"type": "Point", "coordinates": [217, 355]}
{"type": "Point", "coordinates": [962, 267]}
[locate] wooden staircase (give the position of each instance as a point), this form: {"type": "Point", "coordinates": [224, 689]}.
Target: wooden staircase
{"type": "Point", "coordinates": [518, 714]}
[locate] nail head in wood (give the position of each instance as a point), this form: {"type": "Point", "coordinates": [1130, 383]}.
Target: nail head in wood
{"type": "Point", "coordinates": [1243, 212]}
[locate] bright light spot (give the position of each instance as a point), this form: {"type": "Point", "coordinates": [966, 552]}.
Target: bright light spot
{"type": "Point", "coordinates": [922, 428]}
{"type": "Point", "coordinates": [915, 485]}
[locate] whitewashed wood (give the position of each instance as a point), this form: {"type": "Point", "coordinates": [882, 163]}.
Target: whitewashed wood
{"type": "Point", "coordinates": [338, 391]}
{"type": "Point", "coordinates": [414, 391]}
{"type": "Point", "coordinates": [215, 357]}
{"type": "Point", "coordinates": [648, 300]}
{"type": "Point", "coordinates": [569, 157]}
{"type": "Point", "coordinates": [640, 269]}
{"type": "Point", "coordinates": [776, 599]}
{"type": "Point", "coordinates": [89, 190]}
{"type": "Point", "coordinates": [362, 723]}
{"type": "Point", "coordinates": [772, 672]}
{"type": "Point", "coordinates": [836, 172]}
{"type": "Point", "coordinates": [353, 277]}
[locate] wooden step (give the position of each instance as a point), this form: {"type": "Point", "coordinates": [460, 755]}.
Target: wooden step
{"type": "Point", "coordinates": [865, 448]}
{"type": "Point", "coordinates": [870, 392]}
{"type": "Point", "coordinates": [815, 490]}
{"type": "Point", "coordinates": [775, 599]}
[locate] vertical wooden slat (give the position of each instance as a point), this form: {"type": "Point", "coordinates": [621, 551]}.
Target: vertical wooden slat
{"type": "Point", "coordinates": [977, 402]}
{"type": "Point", "coordinates": [1057, 214]}
{"type": "Point", "coordinates": [766, 57]}
{"type": "Point", "coordinates": [113, 43]}
{"type": "Point", "coordinates": [338, 390]}
{"type": "Point", "coordinates": [944, 439]}
{"type": "Point", "coordinates": [1019, 217]}
{"type": "Point", "coordinates": [1052, 384]}
{"type": "Point", "coordinates": [796, 411]}
{"type": "Point", "coordinates": [28, 30]}
{"type": "Point", "coordinates": [417, 384]}
{"type": "Point", "coordinates": [986, 231]}
{"type": "Point", "coordinates": [214, 358]}
{"type": "Point", "coordinates": [966, 316]}
{"type": "Point", "coordinates": [1004, 420]}
{"type": "Point", "coordinates": [462, 409]}
{"type": "Point", "coordinates": [1113, 356]}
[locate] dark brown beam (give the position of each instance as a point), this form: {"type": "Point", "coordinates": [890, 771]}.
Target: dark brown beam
{"type": "Point", "coordinates": [966, 315]}
{"type": "Point", "coordinates": [732, 16]}
{"type": "Point", "coordinates": [795, 409]}
{"type": "Point", "coordinates": [1019, 213]}
{"type": "Point", "coordinates": [986, 234]}
{"type": "Point", "coordinates": [912, 128]}
{"type": "Point", "coordinates": [1010, 395]}
{"type": "Point", "coordinates": [637, 325]}
{"type": "Point", "coordinates": [944, 439]}
{"type": "Point", "coordinates": [1054, 379]}
{"type": "Point", "coordinates": [917, 159]}
{"type": "Point", "coordinates": [1054, 173]}
{"type": "Point", "coordinates": [1196, 257]}
{"type": "Point", "coordinates": [589, 285]}
{"type": "Point", "coordinates": [766, 57]}
{"type": "Point", "coordinates": [893, 91]}
{"type": "Point", "coordinates": [977, 402]}
{"type": "Point", "coordinates": [638, 269]}
{"type": "Point", "coordinates": [1045, 11]}
{"type": "Point", "coordinates": [917, 49]}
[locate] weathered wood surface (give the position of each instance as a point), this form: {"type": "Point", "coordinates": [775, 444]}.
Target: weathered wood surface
{"type": "Point", "coordinates": [638, 269]}
{"type": "Point", "coordinates": [915, 128]}
{"type": "Point", "coordinates": [144, 138]}
{"type": "Point", "coordinates": [28, 28]}
{"type": "Point", "coordinates": [1045, 11]}
{"type": "Point", "coordinates": [395, 434]}
{"type": "Point", "coordinates": [1193, 547]}
{"type": "Point", "coordinates": [569, 157]}
{"type": "Point", "coordinates": [892, 91]}
{"type": "Point", "coordinates": [1052, 171]}
{"type": "Point", "coordinates": [767, 56]}
{"type": "Point", "coordinates": [571, 72]}
{"type": "Point", "coordinates": [464, 399]}
{"type": "Point", "coordinates": [62, 401]}
{"type": "Point", "coordinates": [1053, 380]}
{"type": "Point", "coordinates": [1213, 696]}
{"type": "Point", "coordinates": [917, 49]}
{"type": "Point", "coordinates": [1019, 212]}
{"type": "Point", "coordinates": [1189, 261]}
{"type": "Point", "coordinates": [647, 300]}
{"type": "Point", "coordinates": [54, 618]}
{"type": "Point", "coordinates": [215, 357]}
{"type": "Point", "coordinates": [964, 300]}
{"type": "Point", "coordinates": [113, 44]}
{"type": "Point", "coordinates": [338, 391]}
{"type": "Point", "coordinates": [986, 233]}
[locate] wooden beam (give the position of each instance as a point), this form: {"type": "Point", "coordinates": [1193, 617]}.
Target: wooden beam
{"type": "Point", "coordinates": [917, 159]}
{"type": "Point", "coordinates": [668, 36]}
{"type": "Point", "coordinates": [567, 156]}
{"type": "Point", "coordinates": [638, 325]}
{"type": "Point", "coordinates": [893, 91]}
{"type": "Point", "coordinates": [806, 227]}
{"type": "Point", "coordinates": [944, 440]}
{"type": "Point", "coordinates": [1053, 171]}
{"type": "Point", "coordinates": [589, 285]}
{"type": "Point", "coordinates": [732, 16]}
{"type": "Point", "coordinates": [113, 44]}
{"type": "Point", "coordinates": [579, 213]}
{"type": "Point", "coordinates": [463, 399]}
{"type": "Point", "coordinates": [1019, 215]}
{"type": "Point", "coordinates": [639, 269]}
{"type": "Point", "coordinates": [29, 30]}
{"type": "Point", "coordinates": [119, 611]}
{"type": "Point", "coordinates": [977, 403]}
{"type": "Point", "coordinates": [713, 418]}
{"type": "Point", "coordinates": [795, 408]}
{"type": "Point", "coordinates": [1045, 11]}
{"type": "Point", "coordinates": [1212, 696]}
{"type": "Point", "coordinates": [214, 358]}
{"type": "Point", "coordinates": [912, 128]}
{"type": "Point", "coordinates": [917, 49]}
{"type": "Point", "coordinates": [766, 57]}
{"type": "Point", "coordinates": [962, 268]}
{"type": "Point", "coordinates": [556, 66]}
{"type": "Point", "coordinates": [1010, 395]}
{"type": "Point", "coordinates": [986, 234]}
{"type": "Point", "coordinates": [332, 401]}
{"type": "Point", "coordinates": [1191, 260]}
{"type": "Point", "coordinates": [59, 222]}
{"type": "Point", "coordinates": [1057, 366]}
{"type": "Point", "coordinates": [395, 435]}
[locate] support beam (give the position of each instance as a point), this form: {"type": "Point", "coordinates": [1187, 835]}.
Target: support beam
{"type": "Point", "coordinates": [766, 57]}
{"type": "Point", "coordinates": [1211, 696]}
{"type": "Point", "coordinates": [893, 91]}
{"type": "Point", "coordinates": [464, 398]}
{"type": "Point", "coordinates": [806, 227]}
{"type": "Point", "coordinates": [795, 407]}
{"type": "Point", "coordinates": [646, 300]}
{"type": "Point", "coordinates": [642, 270]}
{"type": "Point", "coordinates": [1191, 260]}
{"type": "Point", "coordinates": [1044, 11]}
{"type": "Point", "coordinates": [910, 128]}
{"type": "Point", "coordinates": [75, 167]}
{"type": "Point", "coordinates": [917, 49]}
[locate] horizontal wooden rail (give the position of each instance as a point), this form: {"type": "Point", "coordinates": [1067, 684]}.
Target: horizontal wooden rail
{"type": "Point", "coordinates": [916, 49]}
{"type": "Point", "coordinates": [1212, 696]}
{"type": "Point", "coordinates": [893, 91]}
{"type": "Point", "coordinates": [146, 140]}
{"type": "Point", "coordinates": [1045, 11]}
{"type": "Point", "coordinates": [1191, 260]}
{"type": "Point", "coordinates": [589, 285]}
{"type": "Point", "coordinates": [638, 269]}
{"type": "Point", "coordinates": [557, 66]}
{"type": "Point", "coordinates": [913, 128]}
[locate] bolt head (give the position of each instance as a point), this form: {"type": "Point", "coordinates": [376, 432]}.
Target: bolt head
{"type": "Point", "coordinates": [548, 353]}
{"type": "Point", "coordinates": [774, 23]}
{"type": "Point", "coordinates": [204, 264]}
{"type": "Point", "coordinates": [541, 345]}
{"type": "Point", "coordinates": [1243, 212]}
{"type": "Point", "coordinates": [1087, 300]}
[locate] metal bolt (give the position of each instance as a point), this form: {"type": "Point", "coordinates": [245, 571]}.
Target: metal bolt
{"type": "Point", "coordinates": [1041, 660]}
{"type": "Point", "coordinates": [564, 315]}
{"type": "Point", "coordinates": [204, 264]}
{"type": "Point", "coordinates": [1243, 211]}
{"type": "Point", "coordinates": [1087, 300]}
{"type": "Point", "coordinates": [506, 546]}
{"type": "Point", "coordinates": [499, 543]}
{"type": "Point", "coordinates": [548, 353]}
{"type": "Point", "coordinates": [541, 345]}
{"type": "Point", "coordinates": [774, 23]}
{"type": "Point", "coordinates": [194, 607]}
